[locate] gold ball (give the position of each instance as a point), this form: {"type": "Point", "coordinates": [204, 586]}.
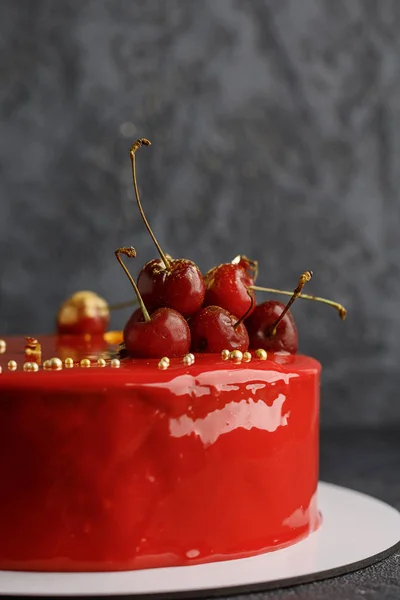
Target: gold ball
{"type": "Point", "coordinates": [225, 354]}
{"type": "Point", "coordinates": [12, 365]}
{"type": "Point", "coordinates": [188, 360]}
{"type": "Point", "coordinates": [164, 364]}
{"type": "Point", "coordinates": [115, 363]}
{"type": "Point", "coordinates": [55, 363]}
{"type": "Point", "coordinates": [166, 360]}
{"type": "Point", "coordinates": [3, 346]}
{"type": "Point", "coordinates": [31, 366]}
{"type": "Point", "coordinates": [236, 355]}
{"type": "Point", "coordinates": [192, 356]}
{"type": "Point", "coordinates": [46, 365]}
{"type": "Point", "coordinates": [247, 356]}
{"type": "Point", "coordinates": [261, 354]}
{"type": "Point", "coordinates": [69, 363]}
{"type": "Point", "coordinates": [101, 362]}
{"type": "Point", "coordinates": [85, 362]}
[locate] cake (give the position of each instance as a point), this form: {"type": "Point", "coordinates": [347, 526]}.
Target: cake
{"type": "Point", "coordinates": [131, 466]}
{"type": "Point", "coordinates": [190, 437]}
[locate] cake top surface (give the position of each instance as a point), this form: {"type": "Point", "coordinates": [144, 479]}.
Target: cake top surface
{"type": "Point", "coordinates": [92, 362]}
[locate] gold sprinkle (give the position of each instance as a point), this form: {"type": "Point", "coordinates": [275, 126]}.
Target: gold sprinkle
{"type": "Point", "coordinates": [188, 360]}
{"type": "Point", "coordinates": [192, 356]}
{"type": "Point", "coordinates": [101, 362]}
{"type": "Point", "coordinates": [115, 363]}
{"type": "Point", "coordinates": [85, 362]}
{"type": "Point", "coordinates": [247, 356]}
{"type": "Point", "coordinates": [166, 360]}
{"type": "Point", "coordinates": [261, 353]}
{"type": "Point", "coordinates": [12, 365]}
{"type": "Point", "coordinates": [236, 355]}
{"type": "Point", "coordinates": [31, 366]}
{"type": "Point", "coordinates": [164, 364]}
{"type": "Point", "coordinates": [55, 363]}
{"type": "Point", "coordinates": [3, 346]}
{"type": "Point", "coordinates": [225, 354]}
{"type": "Point", "coordinates": [69, 363]}
{"type": "Point", "coordinates": [46, 364]}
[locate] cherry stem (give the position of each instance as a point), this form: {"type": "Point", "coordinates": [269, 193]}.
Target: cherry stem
{"type": "Point", "coordinates": [131, 253]}
{"type": "Point", "coordinates": [143, 142]}
{"type": "Point", "coordinates": [121, 305]}
{"type": "Point", "coordinates": [248, 311]}
{"type": "Point", "coordinates": [341, 309]}
{"type": "Point", "coordinates": [304, 278]}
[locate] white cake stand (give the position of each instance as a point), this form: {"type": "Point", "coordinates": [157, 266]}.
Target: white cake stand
{"type": "Point", "coordinates": [357, 531]}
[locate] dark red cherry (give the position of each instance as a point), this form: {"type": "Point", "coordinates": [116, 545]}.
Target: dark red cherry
{"type": "Point", "coordinates": [227, 286]}
{"type": "Point", "coordinates": [83, 313]}
{"type": "Point", "coordinates": [166, 334]}
{"type": "Point", "coordinates": [179, 286]}
{"type": "Point", "coordinates": [214, 329]}
{"type": "Point", "coordinates": [261, 325]}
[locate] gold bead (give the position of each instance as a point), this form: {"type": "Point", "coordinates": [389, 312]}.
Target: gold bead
{"type": "Point", "coordinates": [31, 366]}
{"type": "Point", "coordinates": [12, 365]}
{"type": "Point", "coordinates": [101, 362]}
{"type": "Point", "coordinates": [225, 354]}
{"type": "Point", "coordinates": [85, 362]}
{"type": "Point", "coordinates": [247, 356]}
{"type": "Point", "coordinates": [188, 360]}
{"type": "Point", "coordinates": [55, 363]}
{"type": "Point", "coordinates": [261, 354]}
{"type": "Point", "coordinates": [69, 363]}
{"type": "Point", "coordinates": [3, 346]}
{"type": "Point", "coordinates": [236, 355]}
{"type": "Point", "coordinates": [166, 360]}
{"type": "Point", "coordinates": [46, 365]}
{"type": "Point", "coordinates": [115, 363]}
{"type": "Point", "coordinates": [164, 363]}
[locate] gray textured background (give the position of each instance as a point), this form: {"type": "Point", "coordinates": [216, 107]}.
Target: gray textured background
{"type": "Point", "coordinates": [276, 133]}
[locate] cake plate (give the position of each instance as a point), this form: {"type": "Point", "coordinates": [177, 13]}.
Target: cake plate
{"type": "Point", "coordinates": [357, 531]}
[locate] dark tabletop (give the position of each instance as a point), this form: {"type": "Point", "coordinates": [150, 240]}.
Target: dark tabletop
{"type": "Point", "coordinates": [368, 461]}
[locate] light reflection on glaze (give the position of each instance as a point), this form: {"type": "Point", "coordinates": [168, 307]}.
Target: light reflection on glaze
{"type": "Point", "coordinates": [305, 516]}
{"type": "Point", "coordinates": [219, 381]}
{"type": "Point", "coordinates": [245, 414]}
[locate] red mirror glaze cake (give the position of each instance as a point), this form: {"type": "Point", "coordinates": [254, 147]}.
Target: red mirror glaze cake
{"type": "Point", "coordinates": [133, 467]}
{"type": "Point", "coordinates": [143, 454]}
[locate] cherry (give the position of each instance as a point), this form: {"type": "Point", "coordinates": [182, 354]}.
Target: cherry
{"type": "Point", "coordinates": [264, 333]}
{"type": "Point", "coordinates": [214, 329]}
{"type": "Point", "coordinates": [272, 327]}
{"type": "Point", "coordinates": [227, 285]}
{"type": "Point", "coordinates": [165, 332]}
{"type": "Point", "coordinates": [84, 312]}
{"type": "Point", "coordinates": [174, 283]}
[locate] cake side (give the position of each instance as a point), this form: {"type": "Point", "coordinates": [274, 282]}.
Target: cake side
{"type": "Point", "coordinates": [137, 467]}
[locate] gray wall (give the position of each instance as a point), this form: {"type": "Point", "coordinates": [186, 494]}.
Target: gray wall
{"type": "Point", "coordinates": [276, 133]}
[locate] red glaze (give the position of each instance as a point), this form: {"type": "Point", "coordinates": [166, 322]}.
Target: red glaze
{"type": "Point", "coordinates": [260, 326]}
{"type": "Point", "coordinates": [136, 467]}
{"type": "Point", "coordinates": [227, 286]}
{"type": "Point", "coordinates": [213, 330]}
{"type": "Point", "coordinates": [166, 334]}
{"type": "Point", "coordinates": [182, 288]}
